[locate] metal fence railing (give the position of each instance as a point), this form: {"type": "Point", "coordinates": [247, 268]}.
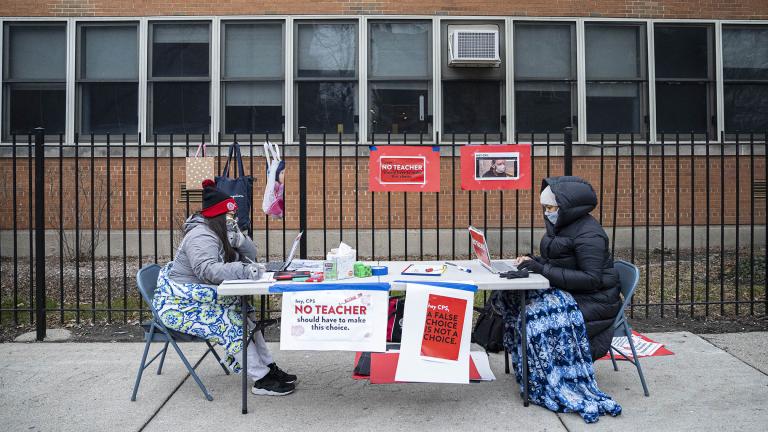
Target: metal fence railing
{"type": "Point", "coordinates": [690, 212]}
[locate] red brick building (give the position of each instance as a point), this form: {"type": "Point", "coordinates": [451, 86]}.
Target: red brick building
{"type": "Point", "coordinates": [370, 71]}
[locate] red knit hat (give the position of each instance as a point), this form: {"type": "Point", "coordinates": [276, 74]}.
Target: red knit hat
{"type": "Point", "coordinates": [216, 202]}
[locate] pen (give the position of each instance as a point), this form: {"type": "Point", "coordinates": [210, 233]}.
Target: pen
{"type": "Point", "coordinates": [461, 268]}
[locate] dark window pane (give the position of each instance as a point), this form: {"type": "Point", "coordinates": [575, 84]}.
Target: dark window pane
{"type": "Point", "coordinates": [399, 108]}
{"type": "Point", "coordinates": [109, 52]}
{"type": "Point", "coordinates": [681, 52]}
{"type": "Point", "coordinates": [544, 51]}
{"type": "Point", "coordinates": [110, 108]}
{"type": "Point", "coordinates": [681, 108]}
{"type": "Point", "coordinates": [253, 50]}
{"type": "Point", "coordinates": [180, 107]}
{"type": "Point", "coordinates": [745, 53]}
{"type": "Point", "coordinates": [613, 108]}
{"type": "Point", "coordinates": [542, 108]}
{"type": "Point", "coordinates": [31, 107]}
{"type": "Point", "coordinates": [471, 106]}
{"type": "Point", "coordinates": [37, 52]}
{"type": "Point", "coordinates": [613, 52]}
{"type": "Point", "coordinates": [327, 50]}
{"type": "Point", "coordinates": [746, 108]}
{"type": "Point", "coordinates": [254, 119]}
{"type": "Point", "coordinates": [400, 50]}
{"type": "Point", "coordinates": [180, 50]}
{"type": "Point", "coordinates": [326, 106]}
{"type": "Point", "coordinates": [253, 107]}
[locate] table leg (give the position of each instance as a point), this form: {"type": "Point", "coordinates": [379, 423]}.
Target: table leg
{"type": "Point", "coordinates": [524, 347]}
{"type": "Point", "coordinates": [244, 352]}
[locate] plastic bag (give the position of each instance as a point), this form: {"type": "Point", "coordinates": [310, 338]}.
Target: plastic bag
{"type": "Point", "coordinates": [274, 203]}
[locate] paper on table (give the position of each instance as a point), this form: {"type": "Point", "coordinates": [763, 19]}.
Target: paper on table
{"type": "Point", "coordinates": [306, 265]}
{"type": "Point", "coordinates": [266, 277]}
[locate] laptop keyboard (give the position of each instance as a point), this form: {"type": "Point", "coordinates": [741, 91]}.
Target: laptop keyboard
{"type": "Point", "coordinates": [501, 266]}
{"type": "Point", "coordinates": [274, 266]}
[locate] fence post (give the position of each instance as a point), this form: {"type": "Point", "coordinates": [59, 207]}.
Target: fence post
{"type": "Point", "coordinates": [568, 152]}
{"type": "Point", "coordinates": [40, 321]}
{"type": "Point", "coordinates": [303, 191]}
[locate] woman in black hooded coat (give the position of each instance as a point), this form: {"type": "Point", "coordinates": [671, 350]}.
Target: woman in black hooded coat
{"type": "Point", "coordinates": [575, 257]}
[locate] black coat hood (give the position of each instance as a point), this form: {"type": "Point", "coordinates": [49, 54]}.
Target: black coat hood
{"type": "Point", "coordinates": [574, 196]}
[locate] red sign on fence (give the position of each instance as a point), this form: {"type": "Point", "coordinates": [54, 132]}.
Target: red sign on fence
{"type": "Point", "coordinates": [495, 167]}
{"type": "Point", "coordinates": [404, 169]}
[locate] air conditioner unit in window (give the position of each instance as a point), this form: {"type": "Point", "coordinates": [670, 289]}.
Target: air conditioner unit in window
{"type": "Point", "coordinates": [473, 46]}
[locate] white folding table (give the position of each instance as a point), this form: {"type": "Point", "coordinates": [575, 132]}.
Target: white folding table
{"type": "Point", "coordinates": [480, 276]}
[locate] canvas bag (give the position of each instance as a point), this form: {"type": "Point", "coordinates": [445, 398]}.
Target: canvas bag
{"type": "Point", "coordinates": [273, 203]}
{"type": "Point", "coordinates": [198, 169]}
{"type": "Point", "coordinates": [239, 187]}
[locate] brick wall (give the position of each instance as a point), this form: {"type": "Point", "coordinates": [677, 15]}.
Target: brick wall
{"type": "Point", "coordinates": [164, 200]}
{"type": "Point", "coordinates": [721, 9]}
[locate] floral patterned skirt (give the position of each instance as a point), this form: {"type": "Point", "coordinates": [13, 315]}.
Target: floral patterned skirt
{"type": "Point", "coordinates": [560, 373]}
{"type": "Point", "coordinates": [196, 309]}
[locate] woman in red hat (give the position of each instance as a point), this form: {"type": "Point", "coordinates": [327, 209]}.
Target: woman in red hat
{"type": "Point", "coordinates": [214, 250]}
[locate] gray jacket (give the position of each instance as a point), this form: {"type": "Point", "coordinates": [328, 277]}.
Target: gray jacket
{"type": "Point", "coordinates": [200, 257]}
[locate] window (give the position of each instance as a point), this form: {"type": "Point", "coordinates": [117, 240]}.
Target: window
{"type": "Point", "coordinates": [326, 77]}
{"type": "Point", "coordinates": [684, 80]}
{"type": "Point", "coordinates": [745, 76]}
{"type": "Point", "coordinates": [108, 79]}
{"type": "Point", "coordinates": [473, 97]}
{"type": "Point", "coordinates": [179, 78]}
{"type": "Point", "coordinates": [399, 71]}
{"type": "Point", "coordinates": [34, 75]}
{"type": "Point", "coordinates": [616, 80]}
{"type": "Point", "coordinates": [252, 78]}
{"type": "Point", "coordinates": [545, 79]}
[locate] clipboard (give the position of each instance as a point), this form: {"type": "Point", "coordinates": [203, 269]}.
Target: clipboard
{"type": "Point", "coordinates": [424, 270]}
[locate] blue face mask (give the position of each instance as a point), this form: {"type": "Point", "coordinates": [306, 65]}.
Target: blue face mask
{"type": "Point", "coordinates": [552, 216]}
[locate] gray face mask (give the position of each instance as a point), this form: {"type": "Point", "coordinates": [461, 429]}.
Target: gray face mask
{"type": "Point", "coordinates": [552, 216]}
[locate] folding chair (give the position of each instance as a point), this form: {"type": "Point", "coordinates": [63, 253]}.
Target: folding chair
{"type": "Point", "coordinates": [628, 277]}
{"type": "Point", "coordinates": [155, 331]}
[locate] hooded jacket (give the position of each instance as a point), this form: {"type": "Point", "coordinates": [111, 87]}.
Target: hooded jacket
{"type": "Point", "coordinates": [576, 256]}
{"type": "Point", "coordinates": [200, 257]}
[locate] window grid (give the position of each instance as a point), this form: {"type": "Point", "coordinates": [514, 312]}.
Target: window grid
{"type": "Point", "coordinates": [144, 50]}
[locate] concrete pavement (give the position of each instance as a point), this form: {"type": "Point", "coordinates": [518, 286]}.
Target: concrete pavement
{"type": "Point", "coordinates": [84, 387]}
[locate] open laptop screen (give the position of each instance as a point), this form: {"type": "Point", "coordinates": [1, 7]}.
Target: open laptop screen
{"type": "Point", "coordinates": [479, 246]}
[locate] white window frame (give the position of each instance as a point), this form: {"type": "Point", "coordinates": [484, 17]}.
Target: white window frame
{"type": "Point", "coordinates": [362, 22]}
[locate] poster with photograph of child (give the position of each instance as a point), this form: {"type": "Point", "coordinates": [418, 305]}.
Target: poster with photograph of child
{"type": "Point", "coordinates": [495, 166]}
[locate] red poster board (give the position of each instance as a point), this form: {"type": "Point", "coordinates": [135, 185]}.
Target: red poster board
{"type": "Point", "coordinates": [496, 167]}
{"type": "Point", "coordinates": [404, 169]}
{"type": "Point", "coordinates": [443, 327]}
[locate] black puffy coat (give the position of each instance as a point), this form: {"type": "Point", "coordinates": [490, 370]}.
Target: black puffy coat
{"type": "Point", "coordinates": [576, 257]}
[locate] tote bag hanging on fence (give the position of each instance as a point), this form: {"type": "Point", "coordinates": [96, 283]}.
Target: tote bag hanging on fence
{"type": "Point", "coordinates": [239, 187]}
{"type": "Point", "coordinates": [273, 203]}
{"type": "Point", "coordinates": [198, 169]}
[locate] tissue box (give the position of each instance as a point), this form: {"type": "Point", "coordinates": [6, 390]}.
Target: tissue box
{"type": "Point", "coordinates": [345, 258]}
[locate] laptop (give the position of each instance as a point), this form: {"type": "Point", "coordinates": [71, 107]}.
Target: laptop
{"type": "Point", "coordinates": [276, 266]}
{"type": "Point", "coordinates": [480, 246]}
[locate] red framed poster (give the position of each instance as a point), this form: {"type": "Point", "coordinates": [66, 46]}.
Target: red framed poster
{"type": "Point", "coordinates": [443, 327]}
{"type": "Point", "coordinates": [496, 167]}
{"type": "Point", "coordinates": [404, 169]}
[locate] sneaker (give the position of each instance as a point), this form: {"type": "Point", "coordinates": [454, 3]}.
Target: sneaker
{"type": "Point", "coordinates": [281, 375]}
{"type": "Point", "coordinates": [269, 386]}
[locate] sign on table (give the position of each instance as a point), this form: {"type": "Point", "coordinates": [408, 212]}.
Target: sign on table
{"type": "Point", "coordinates": [436, 333]}
{"type": "Point", "coordinates": [341, 319]}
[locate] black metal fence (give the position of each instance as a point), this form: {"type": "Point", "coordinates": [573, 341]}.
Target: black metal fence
{"type": "Point", "coordinates": [689, 212]}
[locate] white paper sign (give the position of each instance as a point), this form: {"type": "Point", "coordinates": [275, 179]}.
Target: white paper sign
{"type": "Point", "coordinates": [334, 320]}
{"type": "Point", "coordinates": [437, 326]}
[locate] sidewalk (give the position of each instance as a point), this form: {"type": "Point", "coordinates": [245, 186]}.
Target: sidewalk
{"type": "Point", "coordinates": [83, 387]}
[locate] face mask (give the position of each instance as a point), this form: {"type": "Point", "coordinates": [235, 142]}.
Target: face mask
{"type": "Point", "coordinates": [552, 216]}
{"type": "Point", "coordinates": [501, 168]}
